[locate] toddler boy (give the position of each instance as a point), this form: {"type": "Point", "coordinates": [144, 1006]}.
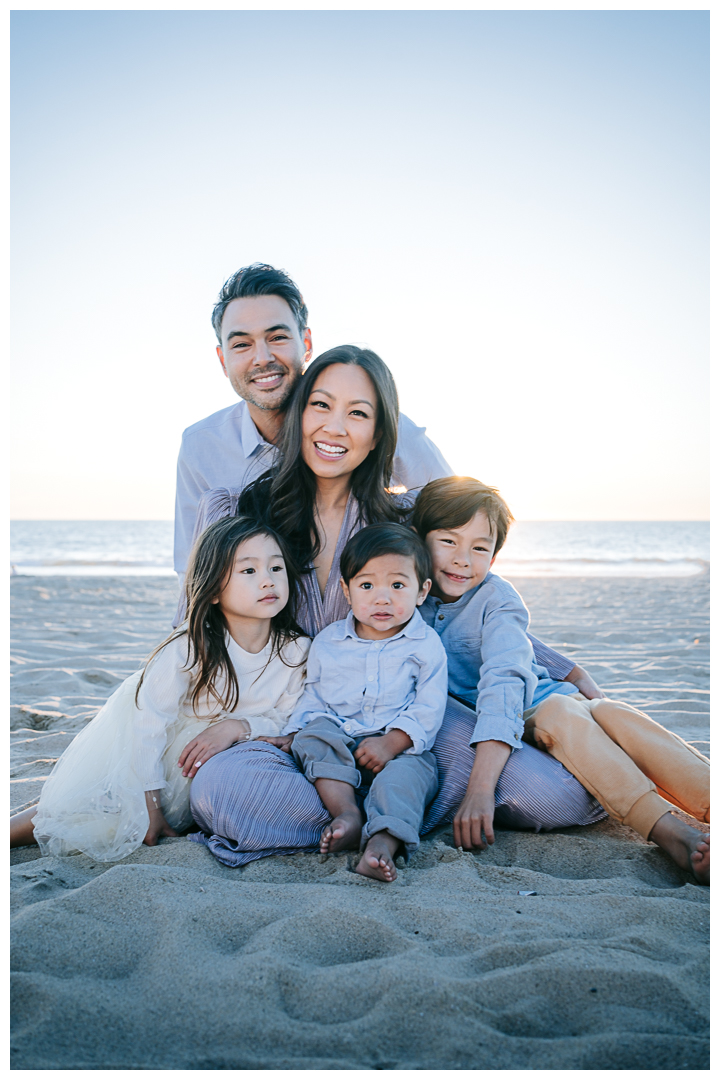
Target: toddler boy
{"type": "Point", "coordinates": [373, 702]}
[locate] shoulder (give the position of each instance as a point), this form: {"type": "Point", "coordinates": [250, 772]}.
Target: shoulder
{"type": "Point", "coordinates": [172, 657]}
{"type": "Point", "coordinates": [295, 652]}
{"type": "Point", "coordinates": [425, 637]}
{"type": "Point", "coordinates": [215, 504]}
{"type": "Point", "coordinates": [408, 430]}
{"type": "Point", "coordinates": [216, 422]}
{"type": "Point", "coordinates": [497, 592]}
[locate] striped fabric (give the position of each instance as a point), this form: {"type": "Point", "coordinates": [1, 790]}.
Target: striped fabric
{"type": "Point", "coordinates": [534, 790]}
{"type": "Point", "coordinates": [252, 800]}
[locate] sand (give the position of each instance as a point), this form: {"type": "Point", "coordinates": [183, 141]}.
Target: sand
{"type": "Point", "coordinates": [170, 960]}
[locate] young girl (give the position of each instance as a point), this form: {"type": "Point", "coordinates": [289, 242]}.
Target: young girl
{"type": "Point", "coordinates": [233, 672]}
{"type": "Point", "coordinates": [636, 769]}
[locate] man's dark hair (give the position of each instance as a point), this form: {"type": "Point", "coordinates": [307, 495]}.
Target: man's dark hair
{"type": "Point", "coordinates": [385, 538]}
{"type": "Point", "coordinates": [260, 279]}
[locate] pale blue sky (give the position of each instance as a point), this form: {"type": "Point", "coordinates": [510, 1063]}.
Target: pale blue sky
{"type": "Point", "coordinates": [510, 207]}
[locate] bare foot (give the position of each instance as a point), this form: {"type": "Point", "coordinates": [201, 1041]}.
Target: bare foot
{"type": "Point", "coordinates": [686, 846]}
{"type": "Point", "coordinates": [377, 858]}
{"type": "Point", "coordinates": [343, 832]}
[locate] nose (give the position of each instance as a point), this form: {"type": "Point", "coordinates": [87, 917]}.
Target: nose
{"type": "Point", "coordinates": [382, 596]}
{"type": "Point", "coordinates": [262, 353]}
{"type": "Point", "coordinates": [461, 558]}
{"type": "Point", "coordinates": [334, 423]}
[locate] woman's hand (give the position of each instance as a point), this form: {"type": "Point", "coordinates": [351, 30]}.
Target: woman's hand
{"type": "Point", "coordinates": [158, 825]}
{"type": "Point", "coordinates": [283, 742]}
{"type": "Point", "coordinates": [585, 684]}
{"type": "Point", "coordinates": [213, 740]}
{"type": "Point", "coordinates": [374, 752]}
{"type": "Point", "coordinates": [473, 823]}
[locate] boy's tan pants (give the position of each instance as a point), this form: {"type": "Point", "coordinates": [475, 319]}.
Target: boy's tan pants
{"type": "Point", "coordinates": [635, 768]}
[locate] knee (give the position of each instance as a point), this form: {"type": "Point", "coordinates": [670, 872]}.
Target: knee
{"type": "Point", "coordinates": [556, 714]}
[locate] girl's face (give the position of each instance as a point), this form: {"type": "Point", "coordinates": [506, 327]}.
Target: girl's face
{"type": "Point", "coordinates": [338, 423]}
{"type": "Point", "coordinates": [257, 586]}
{"type": "Point", "coordinates": [461, 557]}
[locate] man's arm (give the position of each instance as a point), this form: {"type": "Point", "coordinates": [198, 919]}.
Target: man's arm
{"type": "Point", "coordinates": [417, 458]}
{"type": "Point", "coordinates": [190, 487]}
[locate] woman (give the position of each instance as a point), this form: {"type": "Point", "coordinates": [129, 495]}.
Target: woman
{"type": "Point", "coordinates": [332, 477]}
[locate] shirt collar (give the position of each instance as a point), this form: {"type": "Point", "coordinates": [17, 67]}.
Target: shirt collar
{"type": "Point", "coordinates": [249, 435]}
{"type": "Point", "coordinates": [346, 628]}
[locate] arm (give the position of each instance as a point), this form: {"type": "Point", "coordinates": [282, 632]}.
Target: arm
{"type": "Point", "coordinates": [311, 702]}
{"type": "Point", "coordinates": [560, 668]}
{"type": "Point", "coordinates": [477, 810]}
{"type": "Point", "coordinates": [506, 680]}
{"type": "Point", "coordinates": [189, 488]}
{"type": "Point", "coordinates": [417, 458]}
{"type": "Point", "coordinates": [422, 718]}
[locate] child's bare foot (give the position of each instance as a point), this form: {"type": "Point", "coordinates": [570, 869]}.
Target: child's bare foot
{"type": "Point", "coordinates": [343, 832]}
{"type": "Point", "coordinates": [377, 858]}
{"type": "Point", "coordinates": [686, 846]}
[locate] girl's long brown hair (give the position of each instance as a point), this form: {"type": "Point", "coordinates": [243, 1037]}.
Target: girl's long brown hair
{"type": "Point", "coordinates": [211, 564]}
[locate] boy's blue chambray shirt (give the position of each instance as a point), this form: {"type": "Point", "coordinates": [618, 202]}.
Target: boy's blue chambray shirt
{"type": "Point", "coordinates": [371, 687]}
{"type": "Point", "coordinates": [490, 658]}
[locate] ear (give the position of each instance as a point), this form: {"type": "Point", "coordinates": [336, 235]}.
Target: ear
{"type": "Point", "coordinates": [346, 591]}
{"type": "Point", "coordinates": [493, 559]}
{"type": "Point", "coordinates": [221, 358]}
{"type": "Point", "coordinates": [215, 600]}
{"type": "Point", "coordinates": [422, 595]}
{"type": "Point", "coordinates": [307, 342]}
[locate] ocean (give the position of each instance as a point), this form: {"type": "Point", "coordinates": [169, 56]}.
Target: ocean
{"type": "Point", "coordinates": [533, 549]}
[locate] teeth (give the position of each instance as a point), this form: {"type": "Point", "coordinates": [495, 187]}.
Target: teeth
{"type": "Point", "coordinates": [337, 450]}
{"type": "Point", "coordinates": [268, 378]}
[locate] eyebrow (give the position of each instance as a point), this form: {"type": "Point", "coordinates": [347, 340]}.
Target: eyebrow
{"type": "Point", "coordinates": [476, 540]}
{"type": "Point", "coordinates": [398, 574]}
{"type": "Point", "coordinates": [269, 330]}
{"type": "Point", "coordinates": [357, 401]}
{"type": "Point", "coordinates": [253, 558]}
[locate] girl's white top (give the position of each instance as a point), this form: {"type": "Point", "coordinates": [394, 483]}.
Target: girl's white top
{"type": "Point", "coordinates": [268, 692]}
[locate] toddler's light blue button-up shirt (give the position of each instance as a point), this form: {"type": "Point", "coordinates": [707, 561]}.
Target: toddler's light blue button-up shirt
{"type": "Point", "coordinates": [370, 687]}
{"type": "Point", "coordinates": [490, 658]}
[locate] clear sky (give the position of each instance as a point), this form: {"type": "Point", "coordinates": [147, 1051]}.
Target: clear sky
{"type": "Point", "coordinates": [511, 208]}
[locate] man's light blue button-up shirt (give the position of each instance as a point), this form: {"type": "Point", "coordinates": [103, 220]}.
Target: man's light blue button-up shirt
{"type": "Point", "coordinates": [490, 658]}
{"type": "Point", "coordinates": [370, 687]}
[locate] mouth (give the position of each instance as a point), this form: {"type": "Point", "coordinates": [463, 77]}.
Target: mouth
{"type": "Point", "coordinates": [330, 451]}
{"type": "Point", "coordinates": [383, 616]}
{"type": "Point", "coordinates": [270, 599]}
{"type": "Point", "coordinates": [268, 380]}
{"type": "Point", "coordinates": [457, 578]}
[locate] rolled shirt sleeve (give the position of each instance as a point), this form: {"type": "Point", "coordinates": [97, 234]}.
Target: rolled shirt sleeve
{"type": "Point", "coordinates": [507, 682]}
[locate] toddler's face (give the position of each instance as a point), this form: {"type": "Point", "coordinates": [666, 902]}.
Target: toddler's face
{"type": "Point", "coordinates": [384, 595]}
{"type": "Point", "coordinates": [257, 587]}
{"type": "Point", "coordinates": [461, 557]}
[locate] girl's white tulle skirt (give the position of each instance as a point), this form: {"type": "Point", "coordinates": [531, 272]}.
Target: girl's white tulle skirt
{"type": "Point", "coordinates": [94, 801]}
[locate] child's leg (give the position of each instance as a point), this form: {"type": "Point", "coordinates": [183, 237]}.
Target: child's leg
{"type": "Point", "coordinates": [395, 806]}
{"type": "Point", "coordinates": [568, 728]}
{"type": "Point", "coordinates": [679, 771]}
{"type": "Point", "coordinates": [324, 753]}
{"type": "Point", "coordinates": [22, 830]}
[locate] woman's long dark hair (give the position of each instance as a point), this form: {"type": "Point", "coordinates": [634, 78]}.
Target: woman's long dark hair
{"type": "Point", "coordinates": [210, 567]}
{"type": "Point", "coordinates": [285, 496]}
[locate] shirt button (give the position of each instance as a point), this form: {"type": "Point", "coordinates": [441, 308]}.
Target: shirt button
{"type": "Point", "coordinates": [366, 708]}
{"type": "Point", "coordinates": [441, 617]}
{"type": "Point", "coordinates": [347, 727]}
{"type": "Point", "coordinates": [371, 678]}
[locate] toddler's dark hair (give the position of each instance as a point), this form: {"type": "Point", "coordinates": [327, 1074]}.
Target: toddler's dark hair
{"type": "Point", "coordinates": [385, 538]}
{"type": "Point", "coordinates": [451, 502]}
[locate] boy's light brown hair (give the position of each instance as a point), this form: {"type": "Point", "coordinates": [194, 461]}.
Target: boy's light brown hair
{"type": "Point", "coordinates": [451, 502]}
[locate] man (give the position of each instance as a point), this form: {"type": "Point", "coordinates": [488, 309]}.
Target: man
{"type": "Point", "coordinates": [264, 346]}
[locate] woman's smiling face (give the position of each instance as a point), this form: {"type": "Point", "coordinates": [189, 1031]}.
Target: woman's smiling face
{"type": "Point", "coordinates": [338, 423]}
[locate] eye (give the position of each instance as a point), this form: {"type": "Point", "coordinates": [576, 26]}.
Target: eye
{"type": "Point", "coordinates": [279, 337]}
{"type": "Point", "coordinates": [397, 585]}
{"type": "Point", "coordinates": [445, 540]}
{"type": "Point", "coordinates": [366, 586]}
{"type": "Point", "coordinates": [248, 570]}
{"type": "Point", "coordinates": [480, 548]}
{"type": "Point", "coordinates": [321, 404]}
{"type": "Point", "coordinates": [277, 569]}
{"type": "Point", "coordinates": [359, 412]}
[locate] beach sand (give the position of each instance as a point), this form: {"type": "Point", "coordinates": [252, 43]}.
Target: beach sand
{"type": "Point", "coordinates": [170, 960]}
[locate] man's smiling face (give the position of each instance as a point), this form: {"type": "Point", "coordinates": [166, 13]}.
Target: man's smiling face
{"type": "Point", "coordinates": [262, 351]}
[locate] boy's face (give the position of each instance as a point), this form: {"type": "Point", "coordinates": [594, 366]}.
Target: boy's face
{"type": "Point", "coordinates": [461, 557]}
{"type": "Point", "coordinates": [384, 595]}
